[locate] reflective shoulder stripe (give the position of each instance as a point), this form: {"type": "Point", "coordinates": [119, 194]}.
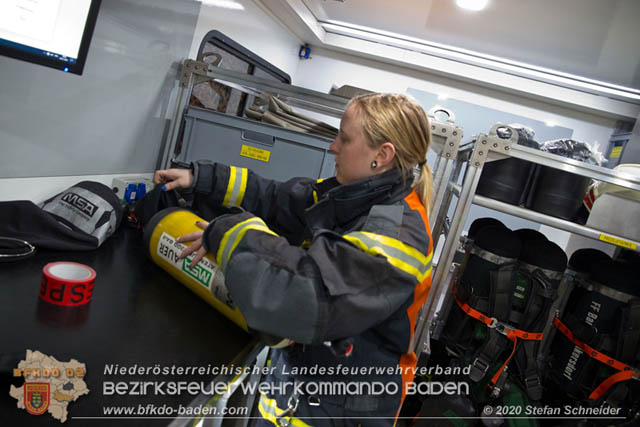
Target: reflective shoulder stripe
{"type": "Point", "coordinates": [236, 187]}
{"type": "Point", "coordinates": [398, 254]}
{"type": "Point", "coordinates": [234, 235]}
{"type": "Point", "coordinates": [315, 193]}
{"type": "Point", "coordinates": [269, 410]}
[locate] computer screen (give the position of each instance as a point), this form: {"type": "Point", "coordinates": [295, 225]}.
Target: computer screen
{"type": "Point", "coordinates": [54, 33]}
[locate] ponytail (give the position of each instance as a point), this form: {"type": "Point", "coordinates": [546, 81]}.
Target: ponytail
{"type": "Point", "coordinates": [423, 184]}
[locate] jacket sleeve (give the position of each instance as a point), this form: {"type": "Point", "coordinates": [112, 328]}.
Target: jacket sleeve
{"type": "Point", "coordinates": [280, 204]}
{"type": "Point", "coordinates": [339, 287]}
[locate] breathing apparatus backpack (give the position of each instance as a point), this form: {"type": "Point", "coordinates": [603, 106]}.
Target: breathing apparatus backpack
{"type": "Point", "coordinates": [596, 347]}
{"type": "Point", "coordinates": [503, 298]}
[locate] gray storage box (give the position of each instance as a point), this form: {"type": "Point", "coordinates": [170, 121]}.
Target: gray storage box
{"type": "Point", "coordinates": [270, 151]}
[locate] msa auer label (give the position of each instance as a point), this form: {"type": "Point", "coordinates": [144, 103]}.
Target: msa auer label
{"type": "Point", "coordinates": [169, 250]}
{"type": "Point", "coordinates": [255, 153]}
{"type": "Point", "coordinates": [205, 273]}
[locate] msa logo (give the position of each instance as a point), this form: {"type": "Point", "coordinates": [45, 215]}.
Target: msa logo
{"type": "Point", "coordinates": [80, 203]}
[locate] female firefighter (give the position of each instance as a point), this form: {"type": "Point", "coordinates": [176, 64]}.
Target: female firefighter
{"type": "Point", "coordinates": [345, 260]}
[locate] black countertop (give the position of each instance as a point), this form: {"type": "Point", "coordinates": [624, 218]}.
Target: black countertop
{"type": "Point", "coordinates": [139, 315]}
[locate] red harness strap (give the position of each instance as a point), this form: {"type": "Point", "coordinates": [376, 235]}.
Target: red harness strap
{"type": "Point", "coordinates": [626, 372]}
{"type": "Point", "coordinates": [505, 329]}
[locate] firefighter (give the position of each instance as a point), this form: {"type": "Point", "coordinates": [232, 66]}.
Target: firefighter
{"type": "Point", "coordinates": [339, 266]}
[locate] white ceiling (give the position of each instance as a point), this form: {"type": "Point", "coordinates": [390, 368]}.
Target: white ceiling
{"type": "Point", "coordinates": [596, 39]}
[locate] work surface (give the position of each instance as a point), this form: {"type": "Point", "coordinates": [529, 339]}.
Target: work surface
{"type": "Point", "coordinates": [139, 316]}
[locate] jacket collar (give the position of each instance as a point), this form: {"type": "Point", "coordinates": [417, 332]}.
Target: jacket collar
{"type": "Point", "coordinates": [341, 205]}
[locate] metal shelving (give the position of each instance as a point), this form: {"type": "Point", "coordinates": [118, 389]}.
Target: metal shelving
{"type": "Point", "coordinates": [551, 221]}
{"type": "Point", "coordinates": [446, 135]}
{"type": "Point", "coordinates": [491, 147]}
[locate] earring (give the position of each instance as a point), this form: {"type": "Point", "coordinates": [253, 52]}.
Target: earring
{"type": "Point", "coordinates": [374, 164]}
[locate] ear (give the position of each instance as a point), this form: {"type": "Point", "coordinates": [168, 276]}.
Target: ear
{"type": "Point", "coordinates": [386, 154]}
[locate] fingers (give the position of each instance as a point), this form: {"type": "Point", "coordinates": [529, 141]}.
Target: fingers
{"type": "Point", "coordinates": [195, 247]}
{"type": "Point", "coordinates": [190, 237]}
{"type": "Point", "coordinates": [171, 185]}
{"type": "Point", "coordinates": [173, 178]}
{"type": "Point", "coordinates": [200, 253]}
{"type": "Point", "coordinates": [202, 224]}
{"type": "Point", "coordinates": [158, 176]}
{"type": "Point", "coordinates": [190, 249]}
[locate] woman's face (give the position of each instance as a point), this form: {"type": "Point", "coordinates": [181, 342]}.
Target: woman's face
{"type": "Point", "coordinates": [353, 154]}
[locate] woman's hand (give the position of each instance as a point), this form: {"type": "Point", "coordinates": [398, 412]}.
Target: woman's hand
{"type": "Point", "coordinates": [173, 178]}
{"type": "Point", "coordinates": [196, 246]}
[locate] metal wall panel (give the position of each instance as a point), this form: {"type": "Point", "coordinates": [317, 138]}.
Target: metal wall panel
{"type": "Point", "coordinates": [111, 119]}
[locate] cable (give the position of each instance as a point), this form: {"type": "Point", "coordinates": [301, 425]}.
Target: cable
{"type": "Point", "coordinates": [15, 249]}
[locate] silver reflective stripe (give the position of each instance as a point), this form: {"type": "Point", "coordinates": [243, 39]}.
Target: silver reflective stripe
{"type": "Point", "coordinates": [606, 291]}
{"type": "Point", "coordinates": [553, 275]}
{"type": "Point", "coordinates": [490, 257]}
{"type": "Point", "coordinates": [236, 187]}
{"type": "Point", "coordinates": [83, 209]}
{"type": "Point", "coordinates": [232, 238]}
{"type": "Point", "coordinates": [397, 253]}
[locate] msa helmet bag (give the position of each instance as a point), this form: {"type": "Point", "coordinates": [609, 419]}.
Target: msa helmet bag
{"type": "Point", "coordinates": [596, 347]}
{"type": "Point", "coordinates": [81, 217]}
{"type": "Point", "coordinates": [502, 303]}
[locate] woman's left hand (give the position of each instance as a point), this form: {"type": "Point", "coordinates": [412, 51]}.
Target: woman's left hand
{"type": "Point", "coordinates": [196, 246]}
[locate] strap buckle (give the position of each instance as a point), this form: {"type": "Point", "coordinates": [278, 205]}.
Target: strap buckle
{"type": "Point", "coordinates": [499, 386]}
{"type": "Point", "coordinates": [292, 406]}
{"type": "Point", "coordinates": [636, 374]}
{"type": "Point", "coordinates": [500, 327]}
{"type": "Point", "coordinates": [479, 369]}
{"type": "Point", "coordinates": [534, 386]}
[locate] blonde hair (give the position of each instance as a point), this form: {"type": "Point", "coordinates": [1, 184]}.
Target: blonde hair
{"type": "Point", "coordinates": [396, 118]}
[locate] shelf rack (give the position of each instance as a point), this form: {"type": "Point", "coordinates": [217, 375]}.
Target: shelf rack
{"type": "Point", "coordinates": [491, 147]}
{"type": "Point", "coordinates": [446, 135]}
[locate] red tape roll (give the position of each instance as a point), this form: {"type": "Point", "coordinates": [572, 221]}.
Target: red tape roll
{"type": "Point", "coordinates": [67, 283]}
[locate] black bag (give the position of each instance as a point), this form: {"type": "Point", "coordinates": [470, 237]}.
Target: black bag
{"type": "Point", "coordinates": [80, 218]}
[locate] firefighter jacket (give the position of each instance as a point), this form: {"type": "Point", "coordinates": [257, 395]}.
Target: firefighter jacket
{"type": "Point", "coordinates": [319, 262]}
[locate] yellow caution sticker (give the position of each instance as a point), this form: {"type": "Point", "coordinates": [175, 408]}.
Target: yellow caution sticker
{"type": "Point", "coordinates": [619, 242]}
{"type": "Point", "coordinates": [255, 153]}
{"type": "Point", "coordinates": [615, 152]}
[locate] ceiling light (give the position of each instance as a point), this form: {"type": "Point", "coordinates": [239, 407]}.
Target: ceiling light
{"type": "Point", "coordinates": [226, 4]}
{"type": "Point", "coordinates": [472, 4]}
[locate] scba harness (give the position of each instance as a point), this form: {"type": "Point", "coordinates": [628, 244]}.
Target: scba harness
{"type": "Point", "coordinates": [503, 299]}
{"type": "Point", "coordinates": [597, 351]}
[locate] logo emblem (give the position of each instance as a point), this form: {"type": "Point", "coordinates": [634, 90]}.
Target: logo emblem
{"type": "Point", "coordinates": [36, 398]}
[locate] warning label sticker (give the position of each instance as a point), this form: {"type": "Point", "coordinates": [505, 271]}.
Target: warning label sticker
{"type": "Point", "coordinates": [205, 273]}
{"type": "Point", "coordinates": [255, 153]}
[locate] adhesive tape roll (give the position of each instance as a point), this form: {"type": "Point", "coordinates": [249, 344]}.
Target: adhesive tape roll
{"type": "Point", "coordinates": [67, 283]}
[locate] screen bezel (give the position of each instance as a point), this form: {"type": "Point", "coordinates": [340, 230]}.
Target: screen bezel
{"type": "Point", "coordinates": [75, 68]}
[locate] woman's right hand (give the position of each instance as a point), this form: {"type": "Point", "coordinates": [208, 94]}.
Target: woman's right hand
{"type": "Point", "coordinates": [173, 178]}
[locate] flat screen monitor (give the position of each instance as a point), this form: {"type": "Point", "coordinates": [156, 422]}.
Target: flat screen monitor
{"type": "Point", "coordinates": [54, 33]}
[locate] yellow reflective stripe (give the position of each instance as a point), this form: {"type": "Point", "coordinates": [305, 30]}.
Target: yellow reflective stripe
{"type": "Point", "coordinates": [241, 234]}
{"type": "Point", "coordinates": [230, 185]}
{"type": "Point", "coordinates": [227, 235]}
{"type": "Point", "coordinates": [236, 186]}
{"type": "Point", "coordinates": [234, 235]}
{"type": "Point", "coordinates": [243, 187]}
{"type": "Point", "coordinates": [269, 410]}
{"type": "Point", "coordinates": [315, 194]}
{"type": "Point", "coordinates": [398, 254]}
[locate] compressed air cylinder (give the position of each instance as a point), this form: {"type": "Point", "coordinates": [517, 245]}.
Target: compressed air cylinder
{"type": "Point", "coordinates": [205, 279]}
